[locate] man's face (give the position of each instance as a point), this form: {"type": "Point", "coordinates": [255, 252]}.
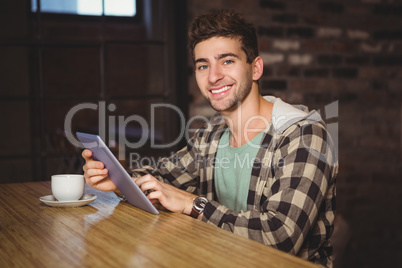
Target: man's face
{"type": "Point", "coordinates": [222, 72]}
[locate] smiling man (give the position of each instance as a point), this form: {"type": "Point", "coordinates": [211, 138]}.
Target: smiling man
{"type": "Point", "coordinates": [261, 168]}
{"type": "Point", "coordinates": [225, 78]}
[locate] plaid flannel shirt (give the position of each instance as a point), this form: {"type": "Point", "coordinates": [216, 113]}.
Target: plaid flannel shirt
{"type": "Point", "coordinates": [291, 199]}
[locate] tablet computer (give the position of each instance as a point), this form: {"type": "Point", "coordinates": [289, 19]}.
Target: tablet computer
{"type": "Point", "coordinates": [117, 173]}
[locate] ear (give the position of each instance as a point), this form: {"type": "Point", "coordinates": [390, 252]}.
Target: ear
{"type": "Point", "coordinates": [258, 67]}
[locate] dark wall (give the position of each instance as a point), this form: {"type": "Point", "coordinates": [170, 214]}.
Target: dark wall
{"type": "Point", "coordinates": [319, 52]}
{"type": "Point", "coordinates": [51, 63]}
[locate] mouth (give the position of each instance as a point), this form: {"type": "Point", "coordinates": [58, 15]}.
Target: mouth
{"type": "Point", "coordinates": [221, 90]}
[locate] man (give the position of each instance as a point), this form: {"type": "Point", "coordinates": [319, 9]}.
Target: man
{"type": "Point", "coordinates": [261, 168]}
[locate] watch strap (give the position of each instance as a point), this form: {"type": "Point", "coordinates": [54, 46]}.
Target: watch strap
{"type": "Point", "coordinates": [195, 213]}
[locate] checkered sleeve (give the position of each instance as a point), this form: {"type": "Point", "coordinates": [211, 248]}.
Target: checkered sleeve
{"type": "Point", "coordinates": [301, 172]}
{"type": "Point", "coordinates": [179, 170]}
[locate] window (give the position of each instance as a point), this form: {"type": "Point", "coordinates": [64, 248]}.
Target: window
{"type": "Point", "coordinates": [118, 8]}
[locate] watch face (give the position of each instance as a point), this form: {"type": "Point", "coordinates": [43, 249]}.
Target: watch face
{"type": "Point", "coordinates": [200, 202]}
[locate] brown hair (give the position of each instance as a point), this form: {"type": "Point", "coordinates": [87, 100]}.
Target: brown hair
{"type": "Point", "coordinates": [224, 23]}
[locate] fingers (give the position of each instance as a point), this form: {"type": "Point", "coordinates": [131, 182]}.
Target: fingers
{"type": "Point", "coordinates": [170, 197]}
{"type": "Point", "coordinates": [87, 154]}
{"type": "Point", "coordinates": [148, 182]}
{"type": "Point", "coordinates": [156, 198]}
{"type": "Point", "coordinates": [96, 172]}
{"type": "Point", "coordinates": [92, 164]}
{"type": "Point", "coordinates": [89, 162]}
{"type": "Point", "coordinates": [143, 179]}
{"type": "Point", "coordinates": [95, 181]}
{"type": "Point", "coordinates": [94, 176]}
{"type": "Point", "coordinates": [155, 195]}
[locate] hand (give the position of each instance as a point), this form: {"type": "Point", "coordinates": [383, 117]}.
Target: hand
{"type": "Point", "coordinates": [170, 197]}
{"type": "Point", "coordinates": [95, 173]}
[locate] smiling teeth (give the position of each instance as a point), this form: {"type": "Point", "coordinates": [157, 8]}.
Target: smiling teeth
{"type": "Point", "coordinates": [220, 90]}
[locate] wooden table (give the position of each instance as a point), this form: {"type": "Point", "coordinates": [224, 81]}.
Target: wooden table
{"type": "Point", "coordinates": [110, 233]}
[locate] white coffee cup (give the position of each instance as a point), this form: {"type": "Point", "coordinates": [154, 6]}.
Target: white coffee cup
{"type": "Point", "coordinates": [68, 187]}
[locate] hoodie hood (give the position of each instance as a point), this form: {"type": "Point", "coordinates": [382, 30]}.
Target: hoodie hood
{"type": "Point", "coordinates": [284, 114]}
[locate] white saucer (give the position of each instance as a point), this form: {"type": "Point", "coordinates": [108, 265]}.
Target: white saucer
{"type": "Point", "coordinates": [51, 201]}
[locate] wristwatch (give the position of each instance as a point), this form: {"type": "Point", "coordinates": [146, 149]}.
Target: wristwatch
{"type": "Point", "coordinates": [198, 206]}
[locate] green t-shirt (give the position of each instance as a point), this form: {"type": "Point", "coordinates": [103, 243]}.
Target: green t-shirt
{"type": "Point", "coordinates": [233, 171]}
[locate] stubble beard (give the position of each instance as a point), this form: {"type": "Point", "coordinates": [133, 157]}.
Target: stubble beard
{"type": "Point", "coordinates": [233, 101]}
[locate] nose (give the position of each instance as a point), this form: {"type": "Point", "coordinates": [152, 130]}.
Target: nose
{"type": "Point", "coordinates": [215, 74]}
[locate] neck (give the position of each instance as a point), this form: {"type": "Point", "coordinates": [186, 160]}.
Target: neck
{"type": "Point", "coordinates": [248, 118]}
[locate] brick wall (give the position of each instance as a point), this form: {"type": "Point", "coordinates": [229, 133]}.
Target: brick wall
{"type": "Point", "coordinates": [315, 53]}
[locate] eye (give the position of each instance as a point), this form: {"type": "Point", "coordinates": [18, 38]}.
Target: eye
{"type": "Point", "coordinates": [227, 62]}
{"type": "Point", "coordinates": [202, 67]}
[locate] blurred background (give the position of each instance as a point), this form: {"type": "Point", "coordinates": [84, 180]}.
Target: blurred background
{"type": "Point", "coordinates": [54, 57]}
